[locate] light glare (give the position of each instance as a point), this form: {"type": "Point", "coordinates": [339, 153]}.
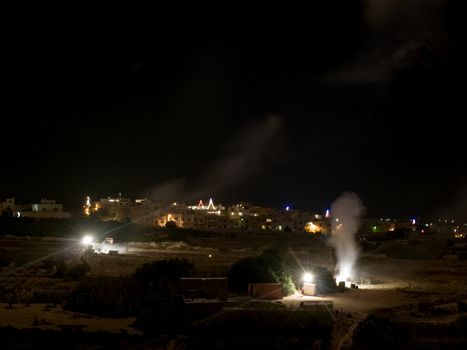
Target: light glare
{"type": "Point", "coordinates": [87, 239]}
{"type": "Point", "coordinates": [307, 277]}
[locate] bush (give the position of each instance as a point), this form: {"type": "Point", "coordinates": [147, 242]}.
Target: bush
{"type": "Point", "coordinates": [324, 279]}
{"type": "Point", "coordinates": [162, 277]}
{"type": "Point", "coordinates": [296, 329]}
{"type": "Point", "coordinates": [4, 261]}
{"type": "Point", "coordinates": [269, 267]}
{"type": "Point", "coordinates": [151, 294]}
{"type": "Point", "coordinates": [104, 296]}
{"type": "Point", "coordinates": [78, 271]}
{"type": "Point", "coordinates": [376, 332]}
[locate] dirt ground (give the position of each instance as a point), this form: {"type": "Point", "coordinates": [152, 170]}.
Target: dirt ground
{"type": "Point", "coordinates": [42, 316]}
{"type": "Point", "coordinates": [387, 282]}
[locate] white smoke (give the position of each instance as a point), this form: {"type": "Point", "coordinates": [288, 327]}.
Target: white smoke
{"type": "Point", "coordinates": [346, 212]}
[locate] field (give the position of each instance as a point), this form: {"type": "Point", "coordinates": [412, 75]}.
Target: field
{"type": "Point", "coordinates": [412, 291]}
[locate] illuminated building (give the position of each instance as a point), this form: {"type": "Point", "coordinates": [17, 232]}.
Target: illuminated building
{"type": "Point", "coordinates": [209, 209]}
{"type": "Point", "coordinates": [47, 208]}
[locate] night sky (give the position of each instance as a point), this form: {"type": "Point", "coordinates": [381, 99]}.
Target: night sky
{"type": "Point", "coordinates": [274, 107]}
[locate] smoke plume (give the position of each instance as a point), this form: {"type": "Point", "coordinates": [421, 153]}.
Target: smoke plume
{"type": "Point", "coordinates": [247, 153]}
{"type": "Point", "coordinates": [346, 212]}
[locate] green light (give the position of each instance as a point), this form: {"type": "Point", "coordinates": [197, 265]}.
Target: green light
{"type": "Point", "coordinates": [374, 228]}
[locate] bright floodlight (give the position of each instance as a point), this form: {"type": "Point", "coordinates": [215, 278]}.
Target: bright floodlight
{"type": "Point", "coordinates": [87, 240]}
{"type": "Point", "coordinates": [307, 277]}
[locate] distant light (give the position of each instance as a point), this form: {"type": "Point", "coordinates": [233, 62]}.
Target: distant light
{"type": "Point", "coordinates": [327, 213]}
{"type": "Point", "coordinates": [175, 203]}
{"type": "Point", "coordinates": [312, 228]}
{"type": "Point", "coordinates": [87, 240]}
{"type": "Point", "coordinates": [210, 256]}
{"type": "Point", "coordinates": [211, 204]}
{"type": "Point", "coordinates": [307, 277]}
{"type": "Point", "coordinates": [240, 213]}
{"type": "Point", "coordinates": [287, 208]}
{"type": "Point", "coordinates": [413, 221]}
{"type": "Point", "coordinates": [337, 220]}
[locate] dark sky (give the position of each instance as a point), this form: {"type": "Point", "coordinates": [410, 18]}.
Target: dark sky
{"type": "Point", "coordinates": [286, 106]}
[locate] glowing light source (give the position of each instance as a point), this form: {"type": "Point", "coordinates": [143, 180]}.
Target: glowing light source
{"type": "Point", "coordinates": [312, 228]}
{"type": "Point", "coordinates": [345, 274]}
{"type": "Point", "coordinates": [307, 277]}
{"type": "Point", "coordinates": [287, 208]}
{"type": "Point", "coordinates": [211, 204]}
{"type": "Point", "coordinates": [87, 206]}
{"type": "Point", "coordinates": [87, 240]}
{"type": "Point", "coordinates": [327, 213]}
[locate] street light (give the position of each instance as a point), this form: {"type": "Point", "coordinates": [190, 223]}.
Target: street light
{"type": "Point", "coordinates": [307, 277]}
{"type": "Point", "coordinates": [87, 240]}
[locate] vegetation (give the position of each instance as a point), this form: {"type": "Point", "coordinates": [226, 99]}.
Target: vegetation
{"type": "Point", "coordinates": [151, 294]}
{"type": "Point", "coordinates": [376, 332]}
{"type": "Point", "coordinates": [269, 267]}
{"type": "Point", "coordinates": [268, 328]}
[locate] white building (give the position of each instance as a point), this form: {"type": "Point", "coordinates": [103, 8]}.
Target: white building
{"type": "Point", "coordinates": [46, 209]}
{"type": "Point", "coordinates": [47, 205]}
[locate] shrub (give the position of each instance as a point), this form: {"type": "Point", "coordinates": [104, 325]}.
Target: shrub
{"type": "Point", "coordinates": [324, 279]}
{"type": "Point", "coordinates": [78, 271]}
{"type": "Point", "coordinates": [378, 332]}
{"type": "Point", "coordinates": [4, 261]}
{"type": "Point", "coordinates": [296, 328]}
{"type": "Point", "coordinates": [269, 267]}
{"type": "Point", "coordinates": [163, 276]}
{"type": "Point", "coordinates": [151, 294]}
{"type": "Point", "coordinates": [104, 296]}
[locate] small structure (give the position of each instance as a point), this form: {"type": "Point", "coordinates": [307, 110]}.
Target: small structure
{"type": "Point", "coordinates": [309, 289]}
{"type": "Point", "coordinates": [269, 291]}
